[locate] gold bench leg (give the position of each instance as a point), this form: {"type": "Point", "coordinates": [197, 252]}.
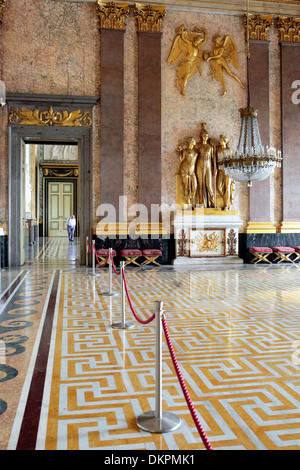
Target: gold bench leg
{"type": "Point", "coordinates": [150, 259]}
{"type": "Point", "coordinates": [284, 257]}
{"type": "Point", "coordinates": [131, 259]}
{"type": "Point", "coordinates": [258, 257]}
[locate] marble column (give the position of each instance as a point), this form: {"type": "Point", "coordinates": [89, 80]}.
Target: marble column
{"type": "Point", "coordinates": [112, 27]}
{"type": "Point", "coordinates": [149, 21]}
{"type": "Point", "coordinates": [259, 195]}
{"type": "Point", "coordinates": [290, 101]}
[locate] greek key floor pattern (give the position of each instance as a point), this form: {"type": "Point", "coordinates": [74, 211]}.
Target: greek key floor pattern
{"type": "Point", "coordinates": [234, 330]}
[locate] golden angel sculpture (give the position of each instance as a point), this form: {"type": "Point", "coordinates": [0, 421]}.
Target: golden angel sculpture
{"type": "Point", "coordinates": [186, 54]}
{"type": "Point", "coordinates": [224, 51]}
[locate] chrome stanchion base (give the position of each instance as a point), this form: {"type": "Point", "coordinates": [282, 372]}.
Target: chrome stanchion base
{"type": "Point", "coordinates": [110, 294]}
{"type": "Point", "coordinates": [167, 423]}
{"type": "Point", "coordinates": [122, 326]}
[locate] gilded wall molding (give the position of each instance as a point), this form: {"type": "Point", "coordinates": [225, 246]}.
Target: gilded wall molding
{"type": "Point", "coordinates": [2, 5]}
{"type": "Point", "coordinates": [149, 18]}
{"type": "Point", "coordinates": [289, 29]}
{"type": "Point", "coordinates": [258, 26]}
{"type": "Point", "coordinates": [112, 15]}
{"type": "Point", "coordinates": [29, 117]}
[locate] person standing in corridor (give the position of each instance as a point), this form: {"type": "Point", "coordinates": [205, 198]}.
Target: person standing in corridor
{"type": "Point", "coordinates": [71, 224]}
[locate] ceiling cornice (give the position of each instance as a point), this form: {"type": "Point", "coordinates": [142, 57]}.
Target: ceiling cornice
{"type": "Point", "coordinates": [236, 7]}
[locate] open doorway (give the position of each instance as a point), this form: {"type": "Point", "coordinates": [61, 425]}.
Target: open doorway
{"type": "Point", "coordinates": [80, 135]}
{"type": "Point", "coordinates": [50, 175]}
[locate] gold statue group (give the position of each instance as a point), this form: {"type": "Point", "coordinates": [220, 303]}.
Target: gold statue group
{"type": "Point", "coordinates": [203, 183]}
{"type": "Point", "coordinates": [186, 54]}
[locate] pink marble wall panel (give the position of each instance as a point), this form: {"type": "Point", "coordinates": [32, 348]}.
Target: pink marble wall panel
{"type": "Point", "coordinates": [54, 48]}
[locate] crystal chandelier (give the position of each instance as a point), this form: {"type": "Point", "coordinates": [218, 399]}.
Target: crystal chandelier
{"type": "Point", "coordinates": [250, 161]}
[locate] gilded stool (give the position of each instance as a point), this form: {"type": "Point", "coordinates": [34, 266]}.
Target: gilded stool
{"type": "Point", "coordinates": [103, 253]}
{"type": "Point", "coordinates": [283, 253]}
{"type": "Point", "coordinates": [151, 256]}
{"type": "Point", "coordinates": [260, 254]}
{"type": "Point", "coordinates": [131, 255]}
{"type": "Point", "coordinates": [297, 253]}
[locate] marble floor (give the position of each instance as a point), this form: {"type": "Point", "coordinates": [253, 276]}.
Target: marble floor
{"type": "Point", "coordinates": [69, 381]}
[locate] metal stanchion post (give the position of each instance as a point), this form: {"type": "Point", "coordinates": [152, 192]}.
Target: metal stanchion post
{"type": "Point", "coordinates": [93, 273]}
{"type": "Point", "coordinates": [110, 293]}
{"type": "Point", "coordinates": [86, 252]}
{"type": "Point", "coordinates": [158, 421]}
{"type": "Point", "coordinates": [123, 325]}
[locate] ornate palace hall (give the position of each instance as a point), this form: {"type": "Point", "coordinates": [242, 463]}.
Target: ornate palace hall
{"type": "Point", "coordinates": [69, 381]}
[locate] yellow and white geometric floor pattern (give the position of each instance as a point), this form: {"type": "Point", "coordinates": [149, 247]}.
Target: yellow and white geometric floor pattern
{"type": "Point", "coordinates": [234, 340]}
{"type": "Point", "coordinates": [235, 332]}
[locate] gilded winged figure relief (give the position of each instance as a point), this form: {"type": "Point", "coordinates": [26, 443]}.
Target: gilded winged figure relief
{"type": "Point", "coordinates": [186, 54]}
{"type": "Point", "coordinates": [224, 51]}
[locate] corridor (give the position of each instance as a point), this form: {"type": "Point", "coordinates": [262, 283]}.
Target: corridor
{"type": "Point", "coordinates": [69, 381]}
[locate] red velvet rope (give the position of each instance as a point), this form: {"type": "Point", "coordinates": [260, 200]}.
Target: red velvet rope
{"type": "Point", "coordinates": [144, 322]}
{"type": "Point", "coordinates": [113, 265]}
{"type": "Point", "coordinates": [87, 244]}
{"type": "Point", "coordinates": [175, 363]}
{"type": "Point", "coordinates": [105, 262]}
{"type": "Point", "coordinates": [184, 388]}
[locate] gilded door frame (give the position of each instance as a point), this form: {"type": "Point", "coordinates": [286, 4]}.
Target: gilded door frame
{"type": "Point", "coordinates": [35, 132]}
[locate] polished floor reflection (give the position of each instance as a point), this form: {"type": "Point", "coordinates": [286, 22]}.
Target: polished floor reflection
{"type": "Point", "coordinates": [68, 380]}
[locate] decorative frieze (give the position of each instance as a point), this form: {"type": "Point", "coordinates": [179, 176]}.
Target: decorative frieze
{"type": "Point", "coordinates": [112, 15]}
{"type": "Point", "coordinates": [258, 26]}
{"type": "Point", "coordinates": [36, 117]}
{"type": "Point", "coordinates": [289, 29]}
{"type": "Point", "coordinates": [149, 18]}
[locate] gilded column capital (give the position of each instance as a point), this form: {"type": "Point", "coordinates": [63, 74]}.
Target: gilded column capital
{"type": "Point", "coordinates": [258, 26]}
{"type": "Point", "coordinates": [149, 18]}
{"type": "Point", "coordinates": [112, 15]}
{"type": "Point", "coordinates": [2, 5]}
{"type": "Point", "coordinates": [289, 29]}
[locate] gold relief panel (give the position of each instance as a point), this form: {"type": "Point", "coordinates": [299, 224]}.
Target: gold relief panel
{"type": "Point", "coordinates": [289, 29]}
{"type": "Point", "coordinates": [36, 117]}
{"type": "Point", "coordinates": [149, 18]}
{"type": "Point", "coordinates": [2, 5]}
{"type": "Point", "coordinates": [112, 15]}
{"type": "Point", "coordinates": [258, 26]}
{"type": "Point", "coordinates": [207, 242]}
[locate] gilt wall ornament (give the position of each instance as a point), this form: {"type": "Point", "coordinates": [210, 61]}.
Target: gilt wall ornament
{"type": "Point", "coordinates": [149, 18]}
{"type": "Point", "coordinates": [186, 54]}
{"type": "Point", "coordinates": [289, 29]}
{"type": "Point", "coordinates": [258, 26]}
{"type": "Point", "coordinates": [29, 117]}
{"type": "Point", "coordinates": [112, 15]}
{"type": "Point", "coordinates": [199, 180]}
{"type": "Point", "coordinates": [2, 5]}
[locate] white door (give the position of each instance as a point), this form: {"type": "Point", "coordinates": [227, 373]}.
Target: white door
{"type": "Point", "coordinates": [60, 207]}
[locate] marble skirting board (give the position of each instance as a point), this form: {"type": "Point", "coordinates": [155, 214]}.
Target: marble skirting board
{"type": "Point", "coordinates": [166, 245]}
{"type": "Point", "coordinates": [3, 251]}
{"type": "Point", "coordinates": [248, 240]}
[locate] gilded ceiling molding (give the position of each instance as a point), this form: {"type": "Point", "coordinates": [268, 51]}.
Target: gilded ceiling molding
{"type": "Point", "coordinates": [29, 117]}
{"type": "Point", "coordinates": [289, 29]}
{"type": "Point", "coordinates": [149, 18]}
{"type": "Point", "coordinates": [112, 15]}
{"type": "Point", "coordinates": [258, 26]}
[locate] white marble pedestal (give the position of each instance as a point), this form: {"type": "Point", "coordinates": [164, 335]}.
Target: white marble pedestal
{"type": "Point", "coordinates": [206, 236]}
